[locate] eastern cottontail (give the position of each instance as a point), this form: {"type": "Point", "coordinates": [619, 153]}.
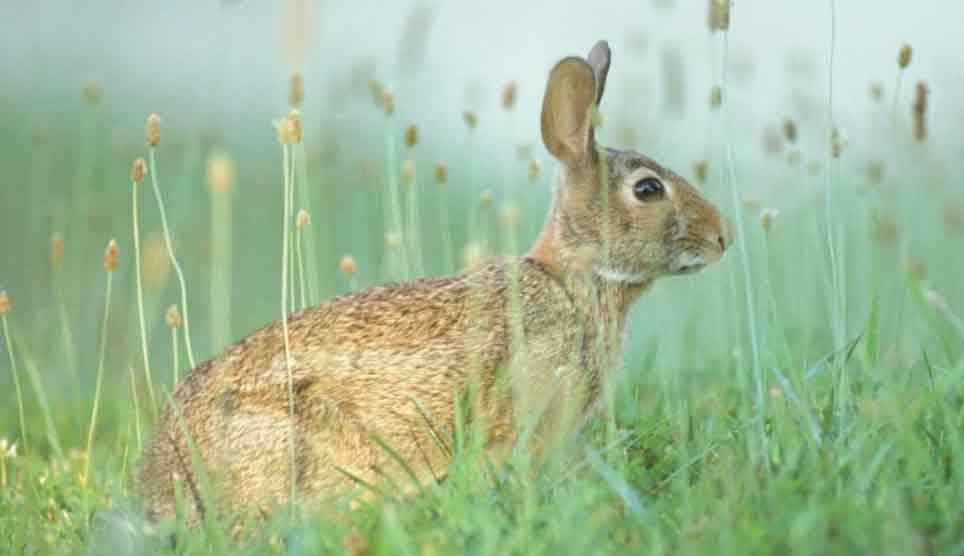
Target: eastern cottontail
{"type": "Point", "coordinates": [533, 335]}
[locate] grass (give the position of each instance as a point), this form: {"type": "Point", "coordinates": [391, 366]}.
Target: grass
{"type": "Point", "coordinates": [817, 428]}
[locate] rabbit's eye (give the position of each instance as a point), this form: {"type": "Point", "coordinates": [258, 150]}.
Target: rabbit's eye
{"type": "Point", "coordinates": [649, 189]}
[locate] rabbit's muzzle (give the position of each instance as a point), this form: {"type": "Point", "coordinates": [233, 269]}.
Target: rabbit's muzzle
{"type": "Point", "coordinates": [707, 251]}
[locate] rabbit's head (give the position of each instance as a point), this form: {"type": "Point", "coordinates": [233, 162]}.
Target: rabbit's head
{"type": "Point", "coordinates": [638, 219]}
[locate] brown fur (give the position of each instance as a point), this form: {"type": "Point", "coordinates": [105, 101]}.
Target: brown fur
{"type": "Point", "coordinates": [535, 335]}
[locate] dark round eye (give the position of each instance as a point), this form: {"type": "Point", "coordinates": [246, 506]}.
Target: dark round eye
{"type": "Point", "coordinates": [649, 189]}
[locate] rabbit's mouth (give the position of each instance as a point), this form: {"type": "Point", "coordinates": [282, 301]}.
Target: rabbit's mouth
{"type": "Point", "coordinates": [687, 263]}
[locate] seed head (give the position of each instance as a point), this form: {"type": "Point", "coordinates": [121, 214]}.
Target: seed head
{"type": "Point", "coordinates": [790, 130]}
{"type": "Point", "coordinates": [411, 136]}
{"type": "Point", "coordinates": [302, 219]}
{"type": "Point", "coordinates": [716, 97]}
{"type": "Point", "coordinates": [472, 256]}
{"type": "Point", "coordinates": [772, 141]}
{"type": "Point", "coordinates": [719, 15]}
{"type": "Point", "coordinates": [382, 97]}
{"type": "Point", "coordinates": [296, 90]}
{"type": "Point", "coordinates": [793, 157]}
{"type": "Point", "coordinates": [886, 229]}
{"type": "Point", "coordinates": [284, 131]}
{"type": "Point", "coordinates": [138, 170]}
{"type": "Point", "coordinates": [4, 303]}
{"type": "Point", "coordinates": [173, 317]}
{"type": "Point", "coordinates": [348, 267]}
{"type": "Point", "coordinates": [387, 102]}
{"type": "Point", "coordinates": [767, 216]}
{"type": "Point", "coordinates": [220, 173]}
{"type": "Point", "coordinates": [7, 449]}
{"type": "Point", "coordinates": [935, 300]}
{"type": "Point", "coordinates": [699, 170]}
{"type": "Point", "coordinates": [904, 56]}
{"type": "Point", "coordinates": [876, 91]}
{"type": "Point", "coordinates": [920, 111]}
{"type": "Point", "coordinates": [408, 172]}
{"type": "Point", "coordinates": [509, 93]}
{"type": "Point", "coordinates": [470, 118]}
{"type": "Point", "coordinates": [155, 264]}
{"type": "Point", "coordinates": [393, 240]}
{"type": "Point", "coordinates": [837, 143]}
{"type": "Point", "coordinates": [441, 174]}
{"type": "Point", "coordinates": [595, 117]}
{"type": "Point", "coordinates": [111, 256]}
{"type": "Point", "coordinates": [485, 200]}
{"type": "Point", "coordinates": [533, 170]}
{"type": "Point", "coordinates": [93, 93]}
{"type": "Point", "coordinates": [376, 88]}
{"type": "Point", "coordinates": [56, 250]}
{"type": "Point", "coordinates": [510, 217]}
{"type": "Point", "coordinates": [953, 218]}
{"type": "Point", "coordinates": [915, 267]}
{"type": "Point", "coordinates": [297, 133]}
{"type": "Point", "coordinates": [153, 130]}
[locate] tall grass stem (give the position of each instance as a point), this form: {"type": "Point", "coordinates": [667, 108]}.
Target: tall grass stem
{"type": "Point", "coordinates": [286, 163]}
{"type": "Point", "coordinates": [99, 380]}
{"type": "Point", "coordinates": [140, 297]}
{"type": "Point", "coordinates": [16, 381]}
{"type": "Point", "coordinates": [170, 252]}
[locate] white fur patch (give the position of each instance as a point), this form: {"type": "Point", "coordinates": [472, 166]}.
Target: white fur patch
{"type": "Point", "coordinates": [689, 259]}
{"type": "Point", "coordinates": [688, 262]}
{"type": "Point", "coordinates": [613, 275]}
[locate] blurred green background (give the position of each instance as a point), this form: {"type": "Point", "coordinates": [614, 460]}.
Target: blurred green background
{"type": "Point", "coordinates": [81, 80]}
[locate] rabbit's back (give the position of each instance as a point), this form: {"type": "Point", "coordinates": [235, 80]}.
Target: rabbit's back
{"type": "Point", "coordinates": [387, 362]}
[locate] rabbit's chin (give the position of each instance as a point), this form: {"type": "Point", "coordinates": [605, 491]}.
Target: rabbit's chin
{"type": "Point", "coordinates": [687, 263]}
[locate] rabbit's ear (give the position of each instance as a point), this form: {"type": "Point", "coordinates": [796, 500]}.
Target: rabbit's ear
{"type": "Point", "coordinates": [599, 58]}
{"type": "Point", "coordinates": [566, 111]}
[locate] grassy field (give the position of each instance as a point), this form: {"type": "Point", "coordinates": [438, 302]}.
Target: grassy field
{"type": "Point", "coordinates": [803, 396]}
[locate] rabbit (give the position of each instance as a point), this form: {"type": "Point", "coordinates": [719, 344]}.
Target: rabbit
{"type": "Point", "coordinates": [522, 339]}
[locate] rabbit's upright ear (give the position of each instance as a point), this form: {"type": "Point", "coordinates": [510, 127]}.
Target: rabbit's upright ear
{"type": "Point", "coordinates": [567, 111]}
{"type": "Point", "coordinates": [599, 58]}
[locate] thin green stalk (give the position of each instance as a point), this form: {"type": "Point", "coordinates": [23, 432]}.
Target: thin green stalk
{"type": "Point", "coordinates": [65, 332]}
{"type": "Point", "coordinates": [744, 257]}
{"type": "Point", "coordinates": [395, 210]}
{"type": "Point", "coordinates": [140, 298]}
{"type": "Point", "coordinates": [314, 288]}
{"type": "Point", "coordinates": [137, 411]}
{"type": "Point", "coordinates": [284, 317]}
{"type": "Point", "coordinates": [445, 231]}
{"type": "Point", "coordinates": [290, 207]}
{"type": "Point", "coordinates": [170, 252]}
{"type": "Point", "coordinates": [83, 186]}
{"type": "Point", "coordinates": [837, 283]}
{"type": "Point", "coordinates": [897, 83]}
{"type": "Point", "coordinates": [34, 375]}
{"type": "Point", "coordinates": [220, 286]}
{"type": "Point", "coordinates": [221, 254]}
{"type": "Point", "coordinates": [175, 357]}
{"type": "Point", "coordinates": [100, 378]}
{"type": "Point", "coordinates": [413, 231]}
{"type": "Point", "coordinates": [16, 381]}
{"type": "Point", "coordinates": [301, 267]}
